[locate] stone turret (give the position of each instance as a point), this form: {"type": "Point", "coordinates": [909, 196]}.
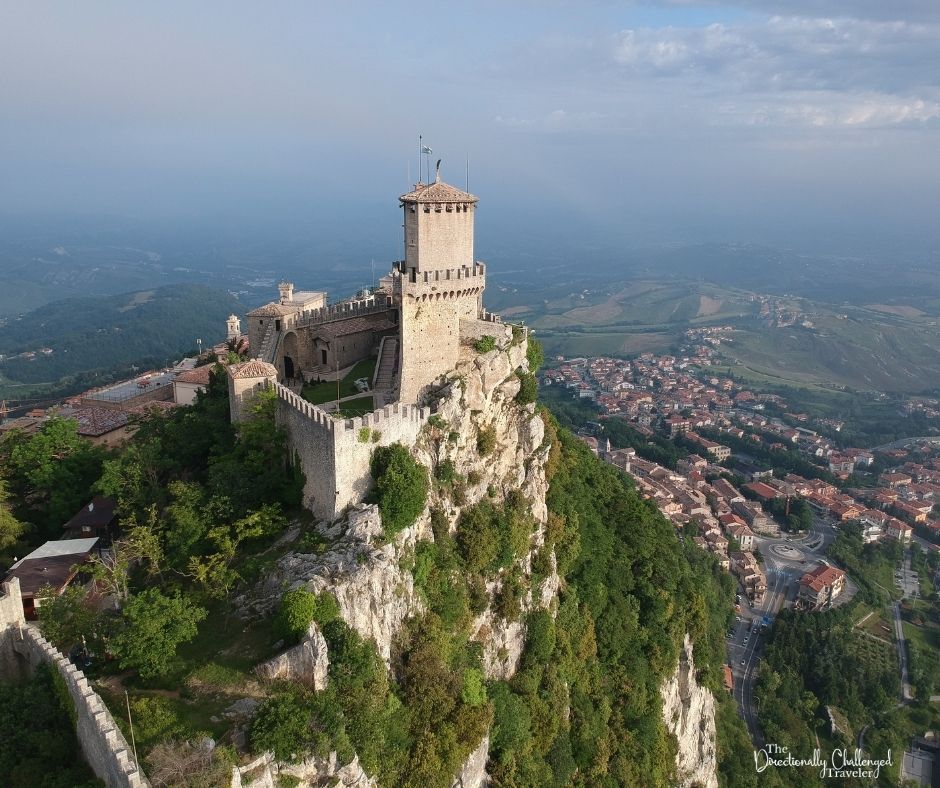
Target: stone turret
{"type": "Point", "coordinates": [244, 382]}
{"type": "Point", "coordinates": [437, 285]}
{"type": "Point", "coordinates": [286, 292]}
{"type": "Point", "coordinates": [233, 327]}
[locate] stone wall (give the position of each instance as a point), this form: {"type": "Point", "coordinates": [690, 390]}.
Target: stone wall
{"type": "Point", "coordinates": [103, 745]}
{"type": "Point", "coordinates": [335, 454]}
{"type": "Point", "coordinates": [432, 308]}
{"type": "Point", "coordinates": [438, 237]}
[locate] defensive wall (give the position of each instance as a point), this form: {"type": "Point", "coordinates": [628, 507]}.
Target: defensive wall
{"type": "Point", "coordinates": [23, 649]}
{"type": "Point", "coordinates": [340, 311]}
{"type": "Point", "coordinates": [334, 453]}
{"type": "Point", "coordinates": [433, 303]}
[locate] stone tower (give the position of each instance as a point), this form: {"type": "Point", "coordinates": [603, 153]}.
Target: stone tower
{"type": "Point", "coordinates": [233, 327]}
{"type": "Point", "coordinates": [437, 285]}
{"type": "Point", "coordinates": [244, 382]}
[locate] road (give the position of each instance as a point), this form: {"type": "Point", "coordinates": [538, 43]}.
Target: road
{"type": "Point", "coordinates": [784, 567]}
{"type": "Point", "coordinates": [906, 693]}
{"type": "Point", "coordinates": [907, 572]}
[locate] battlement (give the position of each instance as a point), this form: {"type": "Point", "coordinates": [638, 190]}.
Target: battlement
{"type": "Point", "coordinates": [103, 745]}
{"type": "Point", "coordinates": [384, 417]}
{"type": "Point", "coordinates": [437, 276]}
{"type": "Point", "coordinates": [380, 302]}
{"type": "Point", "coordinates": [335, 453]}
{"type": "Point", "coordinates": [315, 414]}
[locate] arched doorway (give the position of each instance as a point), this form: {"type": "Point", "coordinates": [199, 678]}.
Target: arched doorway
{"type": "Point", "coordinates": [288, 367]}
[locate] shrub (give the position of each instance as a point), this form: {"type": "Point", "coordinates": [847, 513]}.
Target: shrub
{"type": "Point", "coordinates": [540, 640]}
{"type": "Point", "coordinates": [529, 388]}
{"type": "Point", "coordinates": [298, 608]}
{"type": "Point", "coordinates": [485, 344]}
{"type": "Point", "coordinates": [282, 726]}
{"type": "Point", "coordinates": [474, 478]}
{"type": "Point", "coordinates": [446, 472]}
{"type": "Point", "coordinates": [295, 614]}
{"type": "Point", "coordinates": [440, 525]}
{"type": "Point", "coordinates": [486, 440]}
{"type": "Point", "coordinates": [401, 487]}
{"type": "Point", "coordinates": [364, 434]}
{"type": "Point", "coordinates": [507, 604]}
{"type": "Point", "coordinates": [534, 354]}
{"type": "Point", "coordinates": [376, 436]}
{"type": "Point", "coordinates": [475, 537]}
{"type": "Point", "coordinates": [473, 692]}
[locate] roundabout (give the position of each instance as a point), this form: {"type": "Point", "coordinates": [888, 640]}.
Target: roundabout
{"type": "Point", "coordinates": [787, 552]}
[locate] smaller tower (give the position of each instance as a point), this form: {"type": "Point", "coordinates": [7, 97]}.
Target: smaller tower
{"type": "Point", "coordinates": [286, 289]}
{"type": "Point", "coordinates": [234, 327]}
{"type": "Point", "coordinates": [244, 382]}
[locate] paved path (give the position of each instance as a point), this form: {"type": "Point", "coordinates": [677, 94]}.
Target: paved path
{"type": "Point", "coordinates": [906, 693]}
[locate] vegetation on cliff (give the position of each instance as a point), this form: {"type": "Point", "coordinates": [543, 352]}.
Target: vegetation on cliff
{"type": "Point", "coordinates": [203, 512]}
{"type": "Point", "coordinates": [585, 706]}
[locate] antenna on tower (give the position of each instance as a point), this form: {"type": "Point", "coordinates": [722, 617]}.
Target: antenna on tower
{"type": "Point", "coordinates": [468, 173]}
{"type": "Point", "coordinates": [437, 172]}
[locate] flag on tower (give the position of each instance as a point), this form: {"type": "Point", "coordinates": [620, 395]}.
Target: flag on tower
{"type": "Point", "coordinates": [426, 150]}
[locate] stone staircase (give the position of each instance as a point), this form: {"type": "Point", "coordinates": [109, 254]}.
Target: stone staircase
{"type": "Point", "coordinates": [269, 342]}
{"type": "Point", "coordinates": [387, 366]}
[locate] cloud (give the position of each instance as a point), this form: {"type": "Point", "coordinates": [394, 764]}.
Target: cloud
{"type": "Point", "coordinates": [817, 71]}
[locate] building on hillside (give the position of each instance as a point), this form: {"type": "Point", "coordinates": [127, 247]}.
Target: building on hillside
{"type": "Point", "coordinates": [821, 586]}
{"type": "Point", "coordinates": [899, 531]}
{"type": "Point", "coordinates": [187, 384]}
{"type": "Point", "coordinates": [414, 326]}
{"type": "Point", "coordinates": [98, 518]}
{"type": "Point", "coordinates": [55, 564]}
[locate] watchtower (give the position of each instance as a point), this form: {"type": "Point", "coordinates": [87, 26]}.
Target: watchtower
{"type": "Point", "coordinates": [437, 285]}
{"type": "Point", "coordinates": [245, 380]}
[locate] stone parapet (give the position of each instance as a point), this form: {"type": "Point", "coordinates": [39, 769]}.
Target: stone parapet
{"type": "Point", "coordinates": [103, 745]}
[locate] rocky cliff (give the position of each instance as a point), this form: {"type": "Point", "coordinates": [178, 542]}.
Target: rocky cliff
{"type": "Point", "coordinates": [689, 713]}
{"type": "Point", "coordinates": [371, 578]}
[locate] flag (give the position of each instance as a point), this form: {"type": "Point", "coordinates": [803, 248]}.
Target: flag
{"type": "Point", "coordinates": [425, 149]}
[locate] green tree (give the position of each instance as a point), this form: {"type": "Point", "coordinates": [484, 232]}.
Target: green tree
{"type": "Point", "coordinates": [535, 355]}
{"type": "Point", "coordinates": [282, 726]}
{"type": "Point", "coordinates": [154, 626]}
{"type": "Point", "coordinates": [401, 487]}
{"type": "Point", "coordinates": [65, 618]}
{"type": "Point", "coordinates": [52, 472]}
{"type": "Point", "coordinates": [11, 529]}
{"type": "Point", "coordinates": [528, 388]}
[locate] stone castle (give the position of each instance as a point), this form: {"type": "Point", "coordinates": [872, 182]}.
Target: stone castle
{"type": "Point", "coordinates": [413, 323]}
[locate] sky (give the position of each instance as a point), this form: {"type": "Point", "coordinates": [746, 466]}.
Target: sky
{"type": "Point", "coordinates": [810, 124]}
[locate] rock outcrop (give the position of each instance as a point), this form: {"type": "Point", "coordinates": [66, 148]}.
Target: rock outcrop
{"type": "Point", "coordinates": [365, 574]}
{"type": "Point", "coordinates": [689, 714]}
{"type": "Point", "coordinates": [473, 773]}
{"type": "Point", "coordinates": [266, 772]}
{"type": "Point", "coordinates": [375, 595]}
{"type": "Point", "coordinates": [306, 663]}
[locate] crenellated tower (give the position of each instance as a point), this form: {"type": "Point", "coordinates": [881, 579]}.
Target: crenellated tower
{"type": "Point", "coordinates": [437, 285]}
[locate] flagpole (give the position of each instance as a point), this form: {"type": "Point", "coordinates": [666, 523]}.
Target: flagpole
{"type": "Point", "coordinates": [419, 158]}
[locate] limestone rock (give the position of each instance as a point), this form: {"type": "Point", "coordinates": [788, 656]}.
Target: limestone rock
{"type": "Point", "coordinates": [375, 595]}
{"type": "Point", "coordinates": [473, 774]}
{"type": "Point", "coordinates": [689, 713]}
{"type": "Point", "coordinates": [307, 662]}
{"type": "Point", "coordinates": [265, 772]}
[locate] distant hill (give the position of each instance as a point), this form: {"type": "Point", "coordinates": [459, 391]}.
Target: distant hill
{"type": "Point", "coordinates": [99, 335]}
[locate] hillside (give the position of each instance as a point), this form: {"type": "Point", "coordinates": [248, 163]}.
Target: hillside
{"type": "Point", "coordinates": [100, 334]}
{"type": "Point", "coordinates": [886, 345]}
{"type": "Point", "coordinates": [534, 617]}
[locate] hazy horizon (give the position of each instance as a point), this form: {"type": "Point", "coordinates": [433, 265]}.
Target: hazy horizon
{"type": "Point", "coordinates": [809, 124]}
